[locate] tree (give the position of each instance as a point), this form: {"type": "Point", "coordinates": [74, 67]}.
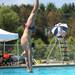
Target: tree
{"type": "Point", "coordinates": [53, 18]}
{"type": "Point", "coordinates": [40, 49]}
{"type": "Point", "coordinates": [50, 7]}
{"type": "Point", "coordinates": [24, 13]}
{"type": "Point", "coordinates": [71, 24]}
{"type": "Point", "coordinates": [9, 20]}
{"type": "Point", "coordinates": [42, 7]}
{"type": "Point", "coordinates": [68, 11]}
{"type": "Point", "coordinates": [15, 8]}
{"type": "Point", "coordinates": [20, 30]}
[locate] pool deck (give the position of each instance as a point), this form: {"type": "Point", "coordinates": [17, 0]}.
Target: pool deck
{"type": "Point", "coordinates": [41, 65]}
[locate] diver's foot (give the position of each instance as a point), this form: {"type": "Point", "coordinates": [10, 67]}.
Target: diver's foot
{"type": "Point", "coordinates": [29, 70]}
{"type": "Point", "coordinates": [23, 53]}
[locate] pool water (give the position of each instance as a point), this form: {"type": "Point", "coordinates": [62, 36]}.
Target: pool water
{"type": "Point", "coordinates": [69, 70]}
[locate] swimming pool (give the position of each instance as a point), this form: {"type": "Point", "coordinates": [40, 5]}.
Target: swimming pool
{"type": "Point", "coordinates": [66, 70]}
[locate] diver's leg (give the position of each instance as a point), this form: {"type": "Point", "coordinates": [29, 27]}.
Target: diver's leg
{"type": "Point", "coordinates": [30, 59]}
{"type": "Point", "coordinates": [26, 59]}
{"type": "Point", "coordinates": [25, 54]}
{"type": "Point", "coordinates": [30, 51]}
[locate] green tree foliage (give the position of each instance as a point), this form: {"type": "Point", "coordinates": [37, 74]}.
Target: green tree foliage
{"type": "Point", "coordinates": [15, 8]}
{"type": "Point", "coordinates": [50, 7]}
{"type": "Point", "coordinates": [68, 11]}
{"type": "Point", "coordinates": [9, 20]}
{"type": "Point", "coordinates": [41, 24]}
{"type": "Point", "coordinates": [71, 40]}
{"type": "Point", "coordinates": [71, 24]}
{"type": "Point", "coordinates": [20, 30]}
{"type": "Point", "coordinates": [42, 7]}
{"type": "Point", "coordinates": [24, 13]}
{"type": "Point", "coordinates": [40, 49]}
{"type": "Point", "coordinates": [53, 18]}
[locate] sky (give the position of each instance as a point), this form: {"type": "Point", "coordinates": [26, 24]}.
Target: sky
{"type": "Point", "coordinates": [57, 3]}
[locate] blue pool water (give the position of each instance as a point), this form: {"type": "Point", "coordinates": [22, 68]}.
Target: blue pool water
{"type": "Point", "coordinates": [67, 70]}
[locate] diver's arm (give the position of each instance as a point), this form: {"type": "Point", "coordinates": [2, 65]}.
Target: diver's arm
{"type": "Point", "coordinates": [33, 12]}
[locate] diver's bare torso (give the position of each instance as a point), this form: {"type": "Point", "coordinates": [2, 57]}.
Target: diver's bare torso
{"type": "Point", "coordinates": [25, 36]}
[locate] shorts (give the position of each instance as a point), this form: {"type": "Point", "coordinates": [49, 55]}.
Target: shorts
{"type": "Point", "coordinates": [25, 46]}
{"type": "Point", "coordinates": [32, 29]}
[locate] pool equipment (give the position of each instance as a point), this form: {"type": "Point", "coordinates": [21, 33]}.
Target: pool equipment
{"type": "Point", "coordinates": [59, 31]}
